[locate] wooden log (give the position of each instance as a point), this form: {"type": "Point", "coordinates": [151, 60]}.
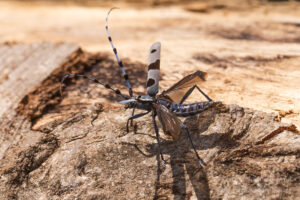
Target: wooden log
{"type": "Point", "coordinates": [50, 149]}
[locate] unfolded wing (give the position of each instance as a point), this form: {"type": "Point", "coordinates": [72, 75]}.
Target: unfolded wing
{"type": "Point", "coordinates": [169, 121]}
{"type": "Point", "coordinates": [177, 91]}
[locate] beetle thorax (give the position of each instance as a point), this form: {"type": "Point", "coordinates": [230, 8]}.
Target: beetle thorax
{"type": "Point", "coordinates": [146, 98]}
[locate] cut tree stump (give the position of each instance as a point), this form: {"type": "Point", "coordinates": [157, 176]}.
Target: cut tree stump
{"type": "Point", "coordinates": [51, 150]}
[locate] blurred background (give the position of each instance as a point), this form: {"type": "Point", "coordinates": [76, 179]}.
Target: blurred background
{"type": "Point", "coordinates": [82, 21]}
{"type": "Point", "coordinates": [250, 48]}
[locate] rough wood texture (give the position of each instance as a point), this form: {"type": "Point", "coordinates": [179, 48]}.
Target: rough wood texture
{"type": "Point", "coordinates": [50, 149]}
{"type": "Point", "coordinates": [23, 67]}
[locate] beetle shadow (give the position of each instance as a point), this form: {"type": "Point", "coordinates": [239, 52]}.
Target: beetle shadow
{"type": "Point", "coordinates": [183, 162]}
{"type": "Point", "coordinates": [182, 158]}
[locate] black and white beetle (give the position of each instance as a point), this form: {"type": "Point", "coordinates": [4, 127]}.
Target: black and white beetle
{"type": "Point", "coordinates": [167, 105]}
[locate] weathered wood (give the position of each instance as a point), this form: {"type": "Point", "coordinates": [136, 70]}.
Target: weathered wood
{"type": "Point", "coordinates": [50, 149]}
{"type": "Point", "coordinates": [23, 67]}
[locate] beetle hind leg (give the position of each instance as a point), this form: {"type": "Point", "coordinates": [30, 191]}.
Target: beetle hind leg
{"type": "Point", "coordinates": [189, 92]}
{"type": "Point", "coordinates": [201, 162]}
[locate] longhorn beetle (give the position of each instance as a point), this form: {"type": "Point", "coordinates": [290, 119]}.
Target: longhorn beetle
{"type": "Point", "coordinates": [167, 105]}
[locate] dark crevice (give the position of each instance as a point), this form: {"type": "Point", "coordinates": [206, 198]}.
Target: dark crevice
{"type": "Point", "coordinates": [31, 159]}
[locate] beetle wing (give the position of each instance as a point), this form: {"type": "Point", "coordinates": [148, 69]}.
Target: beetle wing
{"type": "Point", "coordinates": [170, 123]}
{"type": "Point", "coordinates": [178, 90]}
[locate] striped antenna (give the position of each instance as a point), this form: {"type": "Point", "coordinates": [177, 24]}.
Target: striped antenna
{"type": "Point", "coordinates": [116, 54]}
{"type": "Point", "coordinates": [118, 92]}
{"type": "Point", "coordinates": [153, 69]}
